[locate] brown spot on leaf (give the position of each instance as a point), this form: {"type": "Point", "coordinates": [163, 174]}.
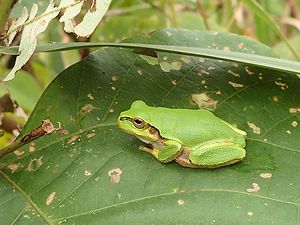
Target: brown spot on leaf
{"type": "Point", "coordinates": [114, 78]}
{"type": "Point", "coordinates": [294, 110]}
{"type": "Point", "coordinates": [204, 72]}
{"type": "Point", "coordinates": [236, 85]}
{"type": "Point", "coordinates": [180, 202]}
{"type": "Point", "coordinates": [115, 175]}
{"type": "Point", "coordinates": [87, 109]}
{"type": "Point", "coordinates": [254, 128]}
{"type": "Point", "coordinates": [19, 153]}
{"type": "Point", "coordinates": [140, 72]}
{"type": "Point", "coordinates": [13, 167]}
{"type": "Point", "coordinates": [265, 175]}
{"type": "Point", "coordinates": [282, 85]}
{"type": "Point", "coordinates": [50, 198]}
{"type": "Point", "coordinates": [203, 100]}
{"type": "Point", "coordinates": [31, 147]}
{"type": "Point", "coordinates": [255, 188]}
{"type": "Point", "coordinates": [294, 123]}
{"type": "Point", "coordinates": [87, 173]}
{"type": "Point", "coordinates": [72, 139]}
{"type": "Point", "coordinates": [48, 127]}
{"type": "Point", "coordinates": [248, 70]}
{"type": "Point", "coordinates": [90, 96]}
{"type": "Point", "coordinates": [233, 73]}
{"type": "Point", "coordinates": [90, 134]}
{"type": "Point", "coordinates": [250, 213]}
{"type": "Point", "coordinates": [34, 164]}
{"type": "Point", "coordinates": [275, 98]}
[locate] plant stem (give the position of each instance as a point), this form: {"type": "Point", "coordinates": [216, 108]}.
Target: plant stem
{"type": "Point", "coordinates": [202, 14]}
{"type": "Point", "coordinates": [12, 147]}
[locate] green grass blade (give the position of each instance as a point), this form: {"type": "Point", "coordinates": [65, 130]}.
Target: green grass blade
{"type": "Point", "coordinates": [256, 60]}
{"type": "Point", "coordinates": [260, 12]}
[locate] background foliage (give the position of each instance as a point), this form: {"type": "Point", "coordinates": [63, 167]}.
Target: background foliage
{"type": "Point", "coordinates": [126, 18]}
{"type": "Point", "coordinates": [73, 178]}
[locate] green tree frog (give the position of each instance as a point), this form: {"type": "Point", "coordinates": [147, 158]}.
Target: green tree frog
{"type": "Point", "coordinates": [194, 138]}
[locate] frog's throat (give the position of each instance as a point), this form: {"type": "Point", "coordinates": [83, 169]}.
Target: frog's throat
{"type": "Point", "coordinates": [145, 140]}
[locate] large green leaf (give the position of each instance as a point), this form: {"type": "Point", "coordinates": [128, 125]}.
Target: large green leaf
{"type": "Point", "coordinates": [95, 174]}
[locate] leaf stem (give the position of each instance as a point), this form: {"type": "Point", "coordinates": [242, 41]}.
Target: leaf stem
{"type": "Point", "coordinates": [12, 147]}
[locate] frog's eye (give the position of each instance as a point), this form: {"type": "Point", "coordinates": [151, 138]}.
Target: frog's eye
{"type": "Point", "coordinates": [138, 123]}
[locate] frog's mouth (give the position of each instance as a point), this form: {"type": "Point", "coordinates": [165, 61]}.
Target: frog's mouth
{"type": "Point", "coordinates": [122, 118]}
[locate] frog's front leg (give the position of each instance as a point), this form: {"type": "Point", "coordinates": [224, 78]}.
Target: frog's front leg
{"type": "Point", "coordinates": [164, 153]}
{"type": "Point", "coordinates": [212, 154]}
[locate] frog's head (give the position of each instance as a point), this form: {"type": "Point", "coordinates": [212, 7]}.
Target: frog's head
{"type": "Point", "coordinates": [135, 121]}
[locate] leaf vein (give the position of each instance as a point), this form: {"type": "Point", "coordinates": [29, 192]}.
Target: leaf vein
{"type": "Point", "coordinates": [177, 193]}
{"type": "Point", "coordinates": [28, 198]}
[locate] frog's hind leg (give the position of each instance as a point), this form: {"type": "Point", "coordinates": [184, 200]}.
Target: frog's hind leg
{"type": "Point", "coordinates": [184, 160]}
{"type": "Point", "coordinates": [216, 154]}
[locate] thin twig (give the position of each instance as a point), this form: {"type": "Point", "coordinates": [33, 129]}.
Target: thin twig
{"type": "Point", "coordinates": [232, 18]}
{"type": "Point", "coordinates": [203, 15]}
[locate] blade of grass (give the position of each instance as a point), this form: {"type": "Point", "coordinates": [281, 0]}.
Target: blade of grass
{"type": "Point", "coordinates": [260, 12]}
{"type": "Point", "coordinates": [252, 59]}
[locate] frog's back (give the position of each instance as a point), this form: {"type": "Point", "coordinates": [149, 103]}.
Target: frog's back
{"type": "Point", "coordinates": [192, 126]}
